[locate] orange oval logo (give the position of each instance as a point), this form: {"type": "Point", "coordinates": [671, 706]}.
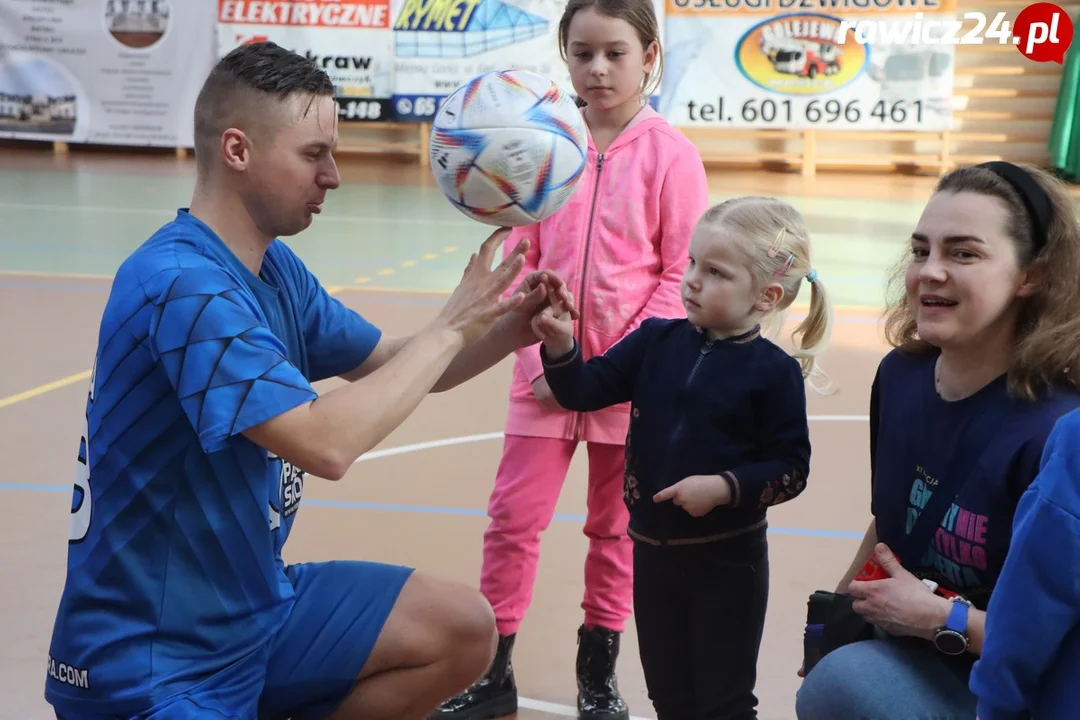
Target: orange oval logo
{"type": "Point", "coordinates": [801, 54]}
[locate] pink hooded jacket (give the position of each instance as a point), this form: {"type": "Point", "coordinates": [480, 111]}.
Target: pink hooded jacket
{"type": "Point", "coordinates": [620, 243]}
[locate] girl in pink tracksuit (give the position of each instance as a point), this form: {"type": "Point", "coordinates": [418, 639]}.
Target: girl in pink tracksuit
{"type": "Point", "coordinates": [621, 244]}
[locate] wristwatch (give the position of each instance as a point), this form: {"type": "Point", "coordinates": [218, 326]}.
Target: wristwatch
{"type": "Point", "coordinates": [952, 639]}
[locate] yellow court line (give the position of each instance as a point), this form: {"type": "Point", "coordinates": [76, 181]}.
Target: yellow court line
{"type": "Point", "coordinates": [392, 290]}
{"type": "Point", "coordinates": [408, 291]}
{"type": "Point", "coordinates": [64, 382]}
{"type": "Point", "coordinates": [837, 309]}
{"type": "Point", "coordinates": [42, 389]}
{"type": "Point", "coordinates": [57, 275]}
{"type": "Point", "coordinates": [405, 264]}
{"type": "Point", "coordinates": [331, 289]}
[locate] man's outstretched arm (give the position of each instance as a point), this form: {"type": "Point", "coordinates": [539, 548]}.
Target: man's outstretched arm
{"type": "Point", "coordinates": [327, 435]}
{"type": "Point", "coordinates": [511, 332]}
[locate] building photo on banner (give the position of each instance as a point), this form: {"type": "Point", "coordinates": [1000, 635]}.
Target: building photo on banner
{"type": "Point", "coordinates": [110, 72]}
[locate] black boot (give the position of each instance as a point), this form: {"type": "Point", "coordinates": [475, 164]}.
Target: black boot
{"type": "Point", "coordinates": [492, 696]}
{"type": "Point", "coordinates": [598, 690]}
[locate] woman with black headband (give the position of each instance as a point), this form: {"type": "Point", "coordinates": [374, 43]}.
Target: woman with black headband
{"type": "Point", "coordinates": [984, 320]}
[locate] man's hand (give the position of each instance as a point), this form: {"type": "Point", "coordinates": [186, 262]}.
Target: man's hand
{"type": "Point", "coordinates": [477, 302]}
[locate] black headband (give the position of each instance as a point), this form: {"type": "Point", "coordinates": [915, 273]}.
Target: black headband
{"type": "Point", "coordinates": [1037, 202]}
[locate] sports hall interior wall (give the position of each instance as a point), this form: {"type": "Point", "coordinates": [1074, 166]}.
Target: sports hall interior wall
{"type": "Point", "coordinates": [1003, 107]}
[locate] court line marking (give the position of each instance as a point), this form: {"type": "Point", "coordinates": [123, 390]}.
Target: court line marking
{"type": "Point", "coordinates": [42, 389]}
{"type": "Point", "coordinates": [404, 264]}
{"type": "Point", "coordinates": [523, 702]}
{"type": "Point", "coordinates": [466, 440]}
{"type": "Point", "coordinates": [331, 289]}
{"type": "Point", "coordinates": [484, 437]}
{"type": "Point", "coordinates": [400, 220]}
{"type": "Point", "coordinates": [65, 381]}
{"type": "Point", "coordinates": [57, 275]}
{"type": "Point", "coordinates": [376, 298]}
{"type": "Point", "coordinates": [561, 710]}
{"type": "Point", "coordinates": [365, 288]}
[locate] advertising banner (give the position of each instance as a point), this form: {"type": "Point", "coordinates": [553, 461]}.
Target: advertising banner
{"type": "Point", "coordinates": [857, 65]}
{"type": "Point", "coordinates": [350, 39]}
{"type": "Point", "coordinates": [440, 44]}
{"type": "Point", "coordinates": [123, 72]}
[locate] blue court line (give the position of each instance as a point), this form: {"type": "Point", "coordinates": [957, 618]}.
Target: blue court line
{"type": "Point", "coordinates": [432, 510]}
{"type": "Point", "coordinates": [370, 299]}
{"type": "Point", "coordinates": [102, 288]}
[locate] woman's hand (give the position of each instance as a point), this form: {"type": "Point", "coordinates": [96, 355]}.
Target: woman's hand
{"type": "Point", "coordinates": [901, 604]}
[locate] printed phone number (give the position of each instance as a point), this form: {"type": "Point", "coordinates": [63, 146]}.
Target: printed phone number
{"type": "Point", "coordinates": [815, 112]}
{"type": "Point", "coordinates": [353, 110]}
{"type": "Point", "coordinates": [416, 107]}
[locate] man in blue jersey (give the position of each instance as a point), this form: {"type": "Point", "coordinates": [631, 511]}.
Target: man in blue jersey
{"type": "Point", "coordinates": [201, 423]}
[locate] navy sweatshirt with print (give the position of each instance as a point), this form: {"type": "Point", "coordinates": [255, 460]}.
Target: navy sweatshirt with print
{"type": "Point", "coordinates": [734, 407]}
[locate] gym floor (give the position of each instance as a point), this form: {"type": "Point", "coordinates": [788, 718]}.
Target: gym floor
{"type": "Point", "coordinates": [391, 247]}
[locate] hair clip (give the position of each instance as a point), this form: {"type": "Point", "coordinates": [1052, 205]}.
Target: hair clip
{"type": "Point", "coordinates": [786, 266]}
{"type": "Point", "coordinates": [811, 276]}
{"type": "Point", "coordinates": [777, 242]}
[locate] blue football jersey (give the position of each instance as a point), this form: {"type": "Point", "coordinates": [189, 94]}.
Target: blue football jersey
{"type": "Point", "coordinates": [177, 520]}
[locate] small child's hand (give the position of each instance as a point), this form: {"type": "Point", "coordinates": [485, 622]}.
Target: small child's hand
{"type": "Point", "coordinates": [555, 328]}
{"type": "Point", "coordinates": [697, 494]}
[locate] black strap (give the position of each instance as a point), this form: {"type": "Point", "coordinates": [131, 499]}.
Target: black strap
{"type": "Point", "coordinates": [1039, 208]}
{"type": "Point", "coordinates": [967, 456]}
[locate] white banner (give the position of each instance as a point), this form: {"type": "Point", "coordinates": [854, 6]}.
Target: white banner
{"type": "Point", "coordinates": [350, 39]}
{"type": "Point", "coordinates": [439, 44]}
{"type": "Point", "coordinates": [749, 63]}
{"type": "Point", "coordinates": [123, 72]}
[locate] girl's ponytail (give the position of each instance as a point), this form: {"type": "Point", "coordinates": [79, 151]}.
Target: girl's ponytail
{"type": "Point", "coordinates": [778, 251]}
{"type": "Point", "coordinates": [811, 336]}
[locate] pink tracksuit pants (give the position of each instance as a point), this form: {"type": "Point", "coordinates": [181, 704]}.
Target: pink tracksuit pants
{"type": "Point", "coordinates": [527, 487]}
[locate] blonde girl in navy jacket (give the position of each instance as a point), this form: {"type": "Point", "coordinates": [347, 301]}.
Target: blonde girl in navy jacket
{"type": "Point", "coordinates": [718, 435]}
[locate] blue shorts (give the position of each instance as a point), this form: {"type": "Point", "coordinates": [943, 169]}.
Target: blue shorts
{"type": "Point", "coordinates": [312, 663]}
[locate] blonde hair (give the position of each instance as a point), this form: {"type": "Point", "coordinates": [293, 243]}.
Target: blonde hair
{"type": "Point", "coordinates": [1045, 353]}
{"type": "Point", "coordinates": [777, 247]}
{"type": "Point", "coordinates": [640, 14]}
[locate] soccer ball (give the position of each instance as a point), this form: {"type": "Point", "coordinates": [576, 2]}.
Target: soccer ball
{"type": "Point", "coordinates": [508, 147]}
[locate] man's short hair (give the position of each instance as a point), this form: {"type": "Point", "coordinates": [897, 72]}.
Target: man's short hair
{"type": "Point", "coordinates": [243, 80]}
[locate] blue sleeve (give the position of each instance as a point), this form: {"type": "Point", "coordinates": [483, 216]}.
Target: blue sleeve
{"type": "Point", "coordinates": [785, 438]}
{"type": "Point", "coordinates": [602, 381]}
{"type": "Point", "coordinates": [228, 369]}
{"type": "Point", "coordinates": [338, 339]}
{"type": "Point", "coordinates": [1036, 600]}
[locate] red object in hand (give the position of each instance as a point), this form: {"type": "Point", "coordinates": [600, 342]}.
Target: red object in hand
{"type": "Point", "coordinates": [872, 570]}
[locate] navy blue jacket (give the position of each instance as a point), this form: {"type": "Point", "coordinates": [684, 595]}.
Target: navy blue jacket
{"type": "Point", "coordinates": [734, 407]}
